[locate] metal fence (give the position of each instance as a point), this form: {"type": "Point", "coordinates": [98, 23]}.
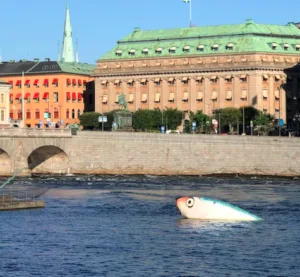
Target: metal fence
{"type": "Point", "coordinates": [9, 196]}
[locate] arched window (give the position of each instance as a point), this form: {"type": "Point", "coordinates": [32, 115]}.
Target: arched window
{"type": "Point", "coordinates": [19, 114]}
{"type": "Point", "coordinates": [28, 114]}
{"type": "Point", "coordinates": [78, 113]}
{"type": "Point", "coordinates": [73, 113]}
{"type": "Point", "coordinates": [11, 115]}
{"type": "Point", "coordinates": [2, 115]}
{"type": "Point", "coordinates": [56, 114]}
{"type": "Point", "coordinates": [68, 113]}
{"type": "Point", "coordinates": [37, 114]}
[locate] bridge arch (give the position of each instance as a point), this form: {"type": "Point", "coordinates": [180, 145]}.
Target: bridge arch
{"type": "Point", "coordinates": [5, 163]}
{"type": "Point", "coordinates": [48, 159]}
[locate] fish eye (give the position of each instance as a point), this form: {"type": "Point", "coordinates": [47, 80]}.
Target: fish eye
{"type": "Point", "coordinates": [190, 202]}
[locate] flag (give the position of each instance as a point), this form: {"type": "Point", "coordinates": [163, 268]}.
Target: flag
{"type": "Point", "coordinates": [186, 1]}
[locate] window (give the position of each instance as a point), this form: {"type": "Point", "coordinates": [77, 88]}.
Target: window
{"type": "Point", "coordinates": [185, 80]}
{"type": "Point", "coordinates": [19, 83]}
{"type": "Point", "coordinates": [229, 46]}
{"type": "Point", "coordinates": [55, 97]}
{"type": "Point", "coordinates": [68, 82]}
{"type": "Point", "coordinates": [119, 53]}
{"type": "Point", "coordinates": [200, 48]}
{"type": "Point", "coordinates": [78, 113]}
{"type": "Point", "coordinates": [36, 83]}
{"type": "Point", "coordinates": [68, 113]}
{"type": "Point", "coordinates": [56, 114]}
{"type": "Point", "coordinates": [215, 47]}
{"type": "Point", "coordinates": [171, 81]}
{"type": "Point", "coordinates": [11, 115]}
{"type": "Point", "coordinates": [243, 78]}
{"type": "Point", "coordinates": [145, 51]}
{"type": "Point", "coordinates": [11, 98]}
{"type": "Point", "coordinates": [172, 50]}
{"type": "Point", "coordinates": [297, 47]}
{"type": "Point", "coordinates": [46, 97]}
{"type": "Point", "coordinates": [104, 83]}
{"type": "Point", "coordinates": [186, 49]}
{"type": "Point", "coordinates": [117, 83]}
{"type": "Point", "coordinates": [199, 80]}
{"type": "Point", "coordinates": [286, 46]}
{"type": "Point", "coordinates": [265, 78]}
{"type": "Point", "coordinates": [2, 115]}
{"type": "Point", "coordinates": [46, 83]}
{"type": "Point", "coordinates": [55, 82]}
{"type": "Point", "coordinates": [229, 95]}
{"type": "Point", "coordinates": [2, 98]}
{"type": "Point", "coordinates": [144, 82]}
{"type": "Point", "coordinates": [37, 114]}
{"type": "Point", "coordinates": [130, 83]}
{"type": "Point", "coordinates": [73, 113]}
{"type": "Point", "coordinates": [27, 83]}
{"type": "Point", "coordinates": [228, 79]}
{"type": "Point", "coordinates": [274, 46]}
{"type": "Point", "coordinates": [158, 50]}
{"type": "Point", "coordinates": [157, 81]}
{"type": "Point", "coordinates": [214, 79]}
{"type": "Point", "coordinates": [131, 52]}
{"type": "Point", "coordinates": [28, 114]}
{"type": "Point", "coordinates": [265, 94]}
{"type": "Point", "coordinates": [19, 114]}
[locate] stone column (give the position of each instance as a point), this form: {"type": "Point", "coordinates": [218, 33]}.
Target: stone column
{"type": "Point", "coordinates": [222, 93]}
{"type": "Point", "coordinates": [236, 91]}
{"type": "Point", "coordinates": [207, 96]}
{"type": "Point", "coordinates": [178, 93]}
{"type": "Point", "coordinates": [137, 97]}
{"type": "Point", "coordinates": [111, 95]}
{"type": "Point", "coordinates": [193, 95]}
{"type": "Point", "coordinates": [164, 96]}
{"type": "Point", "coordinates": [255, 90]}
{"type": "Point", "coordinates": [151, 96]}
{"type": "Point", "coordinates": [271, 95]}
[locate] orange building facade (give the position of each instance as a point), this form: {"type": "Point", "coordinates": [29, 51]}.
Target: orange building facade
{"type": "Point", "coordinates": [49, 99]}
{"type": "Point", "coordinates": [203, 69]}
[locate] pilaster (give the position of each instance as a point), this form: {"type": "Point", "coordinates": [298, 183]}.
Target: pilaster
{"type": "Point", "coordinates": [207, 96]}
{"type": "Point", "coordinates": [137, 97]}
{"type": "Point", "coordinates": [178, 93]}
{"type": "Point", "coordinates": [151, 96]}
{"type": "Point", "coordinates": [222, 93]}
{"type": "Point", "coordinates": [193, 94]}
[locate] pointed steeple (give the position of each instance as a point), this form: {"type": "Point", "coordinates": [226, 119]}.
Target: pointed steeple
{"type": "Point", "coordinates": [67, 50]}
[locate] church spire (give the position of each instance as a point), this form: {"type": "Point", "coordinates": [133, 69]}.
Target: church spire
{"type": "Point", "coordinates": [67, 50]}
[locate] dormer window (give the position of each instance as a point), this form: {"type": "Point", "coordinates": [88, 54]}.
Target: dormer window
{"type": "Point", "coordinates": [157, 81]}
{"type": "Point", "coordinates": [172, 50]}
{"type": "Point", "coordinates": [229, 46]}
{"type": "Point", "coordinates": [286, 46]}
{"type": "Point", "coordinates": [131, 52]}
{"type": "Point", "coordinates": [186, 48]}
{"type": "Point", "coordinates": [145, 51]}
{"type": "Point", "coordinates": [119, 53]}
{"type": "Point", "coordinates": [185, 80]}
{"type": "Point", "coordinates": [265, 78]}
{"type": "Point", "coordinates": [200, 48]}
{"type": "Point", "coordinates": [274, 46]}
{"type": "Point", "coordinates": [158, 50]}
{"type": "Point", "coordinates": [130, 83]}
{"type": "Point", "coordinates": [215, 47]}
{"type": "Point", "coordinates": [297, 47]}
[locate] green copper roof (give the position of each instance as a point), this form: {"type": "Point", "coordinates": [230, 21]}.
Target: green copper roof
{"type": "Point", "coordinates": [68, 51]}
{"type": "Point", "coordinates": [77, 68]}
{"type": "Point", "coordinates": [248, 37]}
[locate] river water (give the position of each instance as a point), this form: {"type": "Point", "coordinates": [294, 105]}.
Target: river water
{"type": "Point", "coordinates": [129, 226]}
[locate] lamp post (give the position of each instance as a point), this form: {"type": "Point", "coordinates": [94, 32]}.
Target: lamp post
{"type": "Point", "coordinates": [244, 121]}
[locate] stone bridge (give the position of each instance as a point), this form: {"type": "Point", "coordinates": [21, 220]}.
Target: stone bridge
{"type": "Point", "coordinates": [26, 151]}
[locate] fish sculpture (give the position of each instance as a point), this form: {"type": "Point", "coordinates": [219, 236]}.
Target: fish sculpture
{"type": "Point", "coordinates": [212, 209]}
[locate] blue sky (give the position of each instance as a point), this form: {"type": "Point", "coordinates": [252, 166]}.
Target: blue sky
{"type": "Point", "coordinates": [31, 29]}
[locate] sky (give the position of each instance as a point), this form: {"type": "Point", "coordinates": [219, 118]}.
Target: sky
{"type": "Point", "coordinates": [32, 28]}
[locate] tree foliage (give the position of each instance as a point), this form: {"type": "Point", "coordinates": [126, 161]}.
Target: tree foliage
{"type": "Point", "coordinates": [264, 123]}
{"type": "Point", "coordinates": [202, 120]}
{"type": "Point", "coordinates": [230, 116]}
{"type": "Point", "coordinates": [152, 120]}
{"type": "Point", "coordinates": [89, 120]}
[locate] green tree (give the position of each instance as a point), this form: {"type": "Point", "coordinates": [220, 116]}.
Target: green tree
{"type": "Point", "coordinates": [230, 116]}
{"type": "Point", "coordinates": [264, 123]}
{"type": "Point", "coordinates": [201, 119]}
{"type": "Point", "coordinates": [250, 114]}
{"type": "Point", "coordinates": [89, 120]}
{"type": "Point", "coordinates": [172, 118]}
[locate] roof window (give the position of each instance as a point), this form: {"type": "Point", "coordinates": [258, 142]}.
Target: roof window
{"type": "Point", "coordinates": [145, 51]}
{"type": "Point", "coordinates": [131, 52]}
{"type": "Point", "coordinates": [229, 46]}
{"type": "Point", "coordinates": [158, 50]}
{"type": "Point", "coordinates": [215, 47]}
{"type": "Point", "coordinates": [172, 49]}
{"type": "Point", "coordinates": [297, 47]}
{"type": "Point", "coordinates": [286, 46]}
{"type": "Point", "coordinates": [186, 48]}
{"type": "Point", "coordinates": [274, 46]}
{"type": "Point", "coordinates": [200, 48]}
{"type": "Point", "coordinates": [119, 53]}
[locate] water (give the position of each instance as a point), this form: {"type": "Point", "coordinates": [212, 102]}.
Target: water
{"type": "Point", "coordinates": [129, 226]}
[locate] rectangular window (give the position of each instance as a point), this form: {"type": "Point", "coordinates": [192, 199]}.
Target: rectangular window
{"type": "Point", "coordinates": [2, 115]}
{"type": "Point", "coordinates": [2, 98]}
{"type": "Point", "coordinates": [55, 97]}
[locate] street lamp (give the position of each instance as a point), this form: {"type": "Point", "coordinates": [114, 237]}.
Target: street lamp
{"type": "Point", "coordinates": [244, 121]}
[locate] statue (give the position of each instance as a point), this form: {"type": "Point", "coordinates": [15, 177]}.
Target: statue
{"type": "Point", "coordinates": [122, 101]}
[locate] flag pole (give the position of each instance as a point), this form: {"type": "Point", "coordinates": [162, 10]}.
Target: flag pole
{"type": "Point", "coordinates": [191, 13]}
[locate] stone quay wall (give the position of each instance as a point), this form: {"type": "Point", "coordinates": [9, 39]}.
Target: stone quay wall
{"type": "Point", "coordinates": [174, 154]}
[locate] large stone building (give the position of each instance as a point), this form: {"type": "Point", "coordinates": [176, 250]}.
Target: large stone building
{"type": "Point", "coordinates": [4, 103]}
{"type": "Point", "coordinates": [48, 92]}
{"type": "Point", "coordinates": [202, 68]}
